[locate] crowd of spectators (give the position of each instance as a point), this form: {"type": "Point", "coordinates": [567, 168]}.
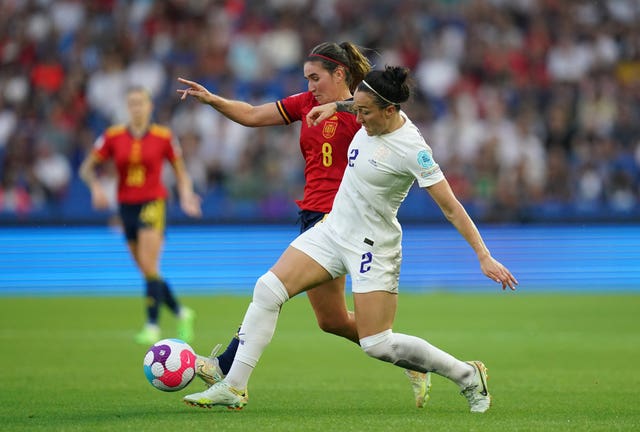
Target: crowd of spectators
{"type": "Point", "coordinates": [532, 107]}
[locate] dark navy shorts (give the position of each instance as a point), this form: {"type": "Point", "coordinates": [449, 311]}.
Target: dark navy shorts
{"type": "Point", "coordinates": [309, 218]}
{"type": "Point", "coordinates": [151, 214]}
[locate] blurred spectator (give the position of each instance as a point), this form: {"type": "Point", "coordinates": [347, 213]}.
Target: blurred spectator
{"type": "Point", "coordinates": [52, 170]}
{"type": "Point", "coordinates": [47, 75]}
{"type": "Point", "coordinates": [196, 166]}
{"type": "Point", "coordinates": [437, 72]}
{"type": "Point", "coordinates": [529, 105]}
{"type": "Point", "coordinates": [558, 189]}
{"type": "Point", "coordinates": [280, 46]}
{"type": "Point", "coordinates": [597, 106]}
{"type": "Point", "coordinates": [530, 163]}
{"type": "Point", "coordinates": [14, 196]}
{"type": "Point", "coordinates": [21, 190]}
{"type": "Point", "coordinates": [16, 88]}
{"type": "Point", "coordinates": [8, 123]}
{"type": "Point", "coordinates": [458, 133]}
{"type": "Point", "coordinates": [106, 88]}
{"type": "Point", "coordinates": [569, 60]}
{"type": "Point", "coordinates": [144, 69]}
{"type": "Point", "coordinates": [248, 181]}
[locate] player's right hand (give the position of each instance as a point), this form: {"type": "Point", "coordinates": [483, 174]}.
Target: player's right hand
{"type": "Point", "coordinates": [99, 198]}
{"type": "Point", "coordinates": [196, 90]}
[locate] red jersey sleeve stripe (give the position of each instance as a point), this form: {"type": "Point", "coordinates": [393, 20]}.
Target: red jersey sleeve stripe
{"type": "Point", "coordinates": [283, 112]}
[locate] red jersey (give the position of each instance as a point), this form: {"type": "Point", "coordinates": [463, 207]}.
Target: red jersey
{"type": "Point", "coordinates": [139, 161]}
{"type": "Point", "coordinates": [324, 148]}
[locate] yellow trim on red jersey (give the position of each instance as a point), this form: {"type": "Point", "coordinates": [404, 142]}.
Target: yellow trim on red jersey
{"type": "Point", "coordinates": [283, 112]}
{"type": "Point", "coordinates": [160, 131]}
{"type": "Point", "coordinates": [115, 130]}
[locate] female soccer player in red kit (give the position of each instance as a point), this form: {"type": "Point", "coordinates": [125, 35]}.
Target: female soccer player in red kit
{"type": "Point", "coordinates": [139, 150]}
{"type": "Point", "coordinates": [332, 71]}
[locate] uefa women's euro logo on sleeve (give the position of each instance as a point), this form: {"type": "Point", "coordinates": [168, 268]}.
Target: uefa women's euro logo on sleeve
{"type": "Point", "coordinates": [425, 160]}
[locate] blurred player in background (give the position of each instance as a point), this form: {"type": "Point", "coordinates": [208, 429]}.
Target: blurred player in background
{"type": "Point", "coordinates": [139, 150]}
{"type": "Point", "coordinates": [332, 71]}
{"type": "Point", "coordinates": [361, 236]}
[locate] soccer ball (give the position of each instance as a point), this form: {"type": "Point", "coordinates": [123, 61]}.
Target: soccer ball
{"type": "Point", "coordinates": [170, 364]}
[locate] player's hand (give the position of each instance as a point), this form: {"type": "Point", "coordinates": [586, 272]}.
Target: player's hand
{"type": "Point", "coordinates": [494, 270]}
{"type": "Point", "coordinates": [320, 113]}
{"type": "Point", "coordinates": [191, 205]}
{"type": "Point", "coordinates": [99, 199]}
{"type": "Point", "coordinates": [194, 89]}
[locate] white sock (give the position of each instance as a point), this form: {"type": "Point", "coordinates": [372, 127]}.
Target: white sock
{"type": "Point", "coordinates": [413, 353]}
{"type": "Point", "coordinates": [257, 328]}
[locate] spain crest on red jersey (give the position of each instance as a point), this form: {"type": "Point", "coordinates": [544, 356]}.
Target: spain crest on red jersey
{"type": "Point", "coordinates": [329, 129]}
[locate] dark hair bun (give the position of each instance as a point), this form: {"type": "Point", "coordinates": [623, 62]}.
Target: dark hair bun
{"type": "Point", "coordinates": [397, 75]}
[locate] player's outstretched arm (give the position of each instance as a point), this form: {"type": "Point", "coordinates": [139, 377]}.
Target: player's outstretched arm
{"type": "Point", "coordinates": [456, 214]}
{"type": "Point", "coordinates": [240, 112]}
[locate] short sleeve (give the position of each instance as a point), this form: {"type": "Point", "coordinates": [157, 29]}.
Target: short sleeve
{"type": "Point", "coordinates": [291, 107]}
{"type": "Point", "coordinates": [424, 168]}
{"type": "Point", "coordinates": [101, 148]}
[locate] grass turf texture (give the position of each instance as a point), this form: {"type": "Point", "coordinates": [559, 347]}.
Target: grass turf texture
{"type": "Point", "coordinates": [556, 363]}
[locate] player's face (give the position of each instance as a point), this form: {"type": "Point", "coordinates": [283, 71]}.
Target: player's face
{"type": "Point", "coordinates": [375, 120]}
{"type": "Point", "coordinates": [140, 107]}
{"type": "Point", "coordinates": [322, 83]}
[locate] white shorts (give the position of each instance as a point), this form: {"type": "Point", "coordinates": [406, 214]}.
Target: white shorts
{"type": "Point", "coordinates": [370, 269]}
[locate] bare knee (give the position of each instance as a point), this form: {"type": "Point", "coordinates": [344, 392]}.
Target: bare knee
{"type": "Point", "coordinates": [147, 260]}
{"type": "Point", "coordinates": [344, 326]}
{"type": "Point", "coordinates": [148, 268]}
{"type": "Point", "coordinates": [333, 326]}
{"type": "Point", "coordinates": [330, 308]}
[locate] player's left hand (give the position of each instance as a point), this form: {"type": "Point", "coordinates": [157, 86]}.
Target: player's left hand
{"type": "Point", "coordinates": [191, 205]}
{"type": "Point", "coordinates": [494, 270]}
{"type": "Point", "coordinates": [320, 113]}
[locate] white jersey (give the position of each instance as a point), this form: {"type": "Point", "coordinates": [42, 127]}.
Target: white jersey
{"type": "Point", "coordinates": [379, 174]}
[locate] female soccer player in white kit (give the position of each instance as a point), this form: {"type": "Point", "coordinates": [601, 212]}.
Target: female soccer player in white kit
{"type": "Point", "coordinates": [361, 236]}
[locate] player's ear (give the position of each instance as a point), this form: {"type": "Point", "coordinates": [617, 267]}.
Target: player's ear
{"type": "Point", "coordinates": [389, 110]}
{"type": "Point", "coordinates": [340, 73]}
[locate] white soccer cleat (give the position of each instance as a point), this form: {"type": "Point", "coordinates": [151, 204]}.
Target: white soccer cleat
{"type": "Point", "coordinates": [477, 394]}
{"type": "Point", "coordinates": [219, 394]}
{"type": "Point", "coordinates": [208, 369]}
{"type": "Point", "coordinates": [421, 385]}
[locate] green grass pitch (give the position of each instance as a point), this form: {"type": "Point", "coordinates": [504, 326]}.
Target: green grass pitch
{"type": "Point", "coordinates": [557, 362]}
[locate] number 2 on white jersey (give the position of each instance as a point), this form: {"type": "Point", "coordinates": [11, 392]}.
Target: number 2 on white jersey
{"type": "Point", "coordinates": [353, 154]}
{"type": "Point", "coordinates": [365, 264]}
